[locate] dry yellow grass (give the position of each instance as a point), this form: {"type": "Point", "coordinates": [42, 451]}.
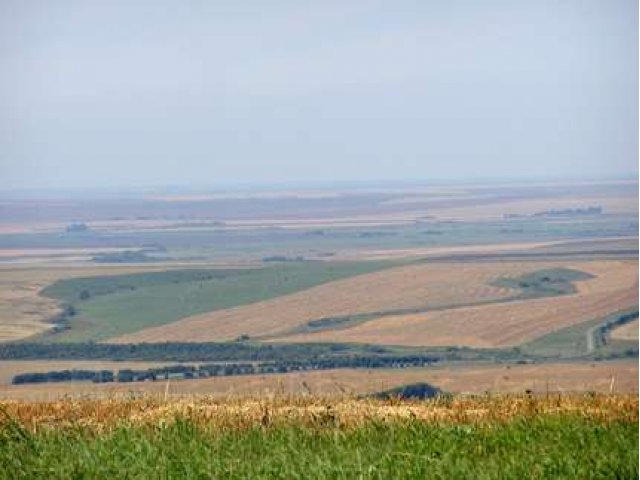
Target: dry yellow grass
{"type": "Point", "coordinates": [628, 331]}
{"type": "Point", "coordinates": [435, 285]}
{"type": "Point", "coordinates": [476, 379]}
{"type": "Point", "coordinates": [615, 287]}
{"type": "Point", "coordinates": [239, 413]}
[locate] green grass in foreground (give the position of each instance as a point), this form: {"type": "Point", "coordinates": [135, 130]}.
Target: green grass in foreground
{"type": "Point", "coordinates": [110, 306]}
{"type": "Point", "coordinates": [547, 446]}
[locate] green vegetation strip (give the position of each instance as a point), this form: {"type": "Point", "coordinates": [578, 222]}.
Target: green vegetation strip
{"type": "Point", "coordinates": [543, 447]}
{"type": "Point", "coordinates": [108, 306]}
{"type": "Point", "coordinates": [588, 339]}
{"type": "Point", "coordinates": [241, 351]}
{"type": "Point", "coordinates": [545, 283]}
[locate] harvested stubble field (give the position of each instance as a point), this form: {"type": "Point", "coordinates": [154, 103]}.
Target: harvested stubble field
{"type": "Point", "coordinates": [613, 288]}
{"type": "Point", "coordinates": [627, 331]}
{"type": "Point", "coordinates": [419, 286]}
{"type": "Point", "coordinates": [621, 376]}
{"type": "Point", "coordinates": [554, 436]}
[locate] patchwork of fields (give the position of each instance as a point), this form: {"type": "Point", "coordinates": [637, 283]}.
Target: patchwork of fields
{"type": "Point", "coordinates": [461, 303]}
{"type": "Point", "coordinates": [614, 288]}
{"type": "Point", "coordinates": [470, 277]}
{"type": "Point", "coordinates": [110, 306]}
{"type": "Point", "coordinates": [414, 286]}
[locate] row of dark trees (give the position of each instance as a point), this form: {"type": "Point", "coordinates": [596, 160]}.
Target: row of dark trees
{"type": "Point", "coordinates": [603, 331]}
{"type": "Point", "coordinates": [98, 376]}
{"type": "Point", "coordinates": [222, 369]}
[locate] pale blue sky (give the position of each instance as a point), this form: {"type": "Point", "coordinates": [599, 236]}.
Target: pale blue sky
{"type": "Point", "coordinates": [109, 93]}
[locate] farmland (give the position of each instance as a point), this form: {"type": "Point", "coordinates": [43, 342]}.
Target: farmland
{"type": "Point", "coordinates": [110, 306]}
{"type": "Point", "coordinates": [479, 437]}
{"type": "Point", "coordinates": [500, 324]}
{"type": "Point", "coordinates": [413, 286]}
{"type": "Point", "coordinates": [446, 293]}
{"type": "Point", "coordinates": [626, 332]}
{"type": "Point", "coordinates": [319, 240]}
{"type": "Point", "coordinates": [476, 279]}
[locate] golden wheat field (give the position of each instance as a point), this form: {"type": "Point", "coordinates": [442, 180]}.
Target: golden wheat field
{"type": "Point", "coordinates": [432, 286]}
{"type": "Point", "coordinates": [614, 287]}
{"type": "Point", "coordinates": [619, 376]}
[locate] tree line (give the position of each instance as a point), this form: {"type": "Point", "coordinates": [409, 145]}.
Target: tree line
{"type": "Point", "coordinates": [601, 334]}
{"type": "Point", "coordinates": [222, 369]}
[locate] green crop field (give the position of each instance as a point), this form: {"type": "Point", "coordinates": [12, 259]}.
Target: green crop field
{"type": "Point", "coordinates": [548, 448]}
{"type": "Point", "coordinates": [108, 306]}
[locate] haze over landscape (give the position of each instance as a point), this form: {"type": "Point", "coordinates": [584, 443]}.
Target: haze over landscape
{"type": "Point", "coordinates": [319, 240]}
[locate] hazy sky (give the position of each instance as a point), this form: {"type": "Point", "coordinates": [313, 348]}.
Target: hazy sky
{"type": "Point", "coordinates": [106, 93]}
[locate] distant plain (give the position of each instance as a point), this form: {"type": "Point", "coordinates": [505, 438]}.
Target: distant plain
{"type": "Point", "coordinates": [406, 266]}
